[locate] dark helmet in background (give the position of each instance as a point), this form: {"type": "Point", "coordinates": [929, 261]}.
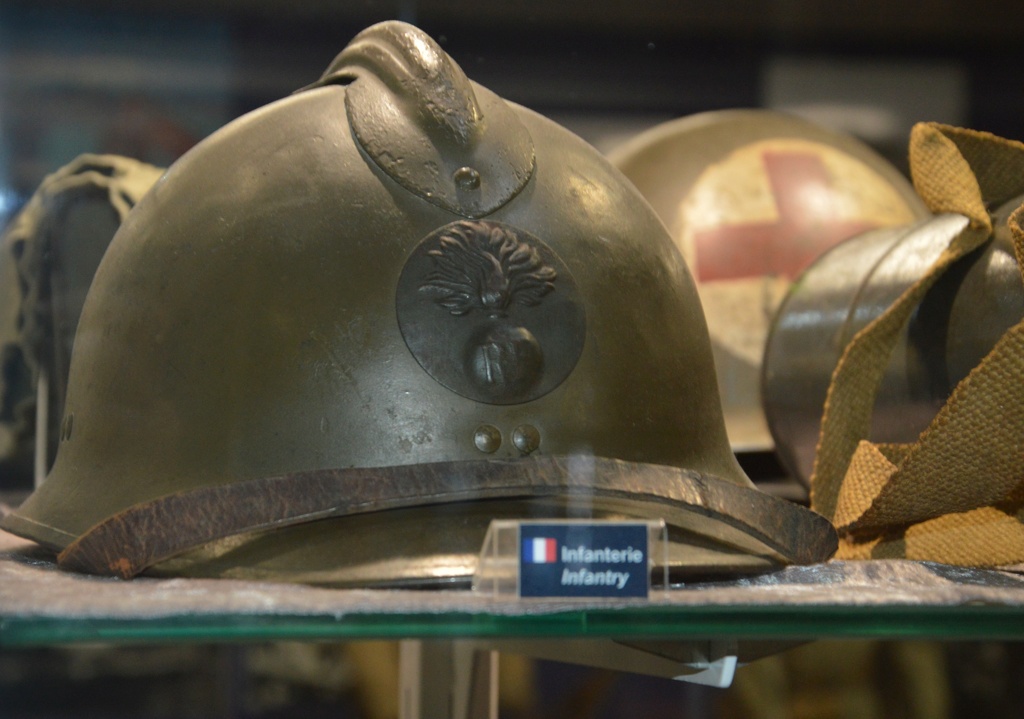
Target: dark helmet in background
{"type": "Point", "coordinates": [48, 255]}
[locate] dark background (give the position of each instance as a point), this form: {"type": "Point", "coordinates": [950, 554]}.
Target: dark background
{"type": "Point", "coordinates": [149, 79]}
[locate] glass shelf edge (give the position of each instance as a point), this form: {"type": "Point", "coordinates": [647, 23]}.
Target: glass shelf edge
{"type": "Point", "coordinates": [893, 622]}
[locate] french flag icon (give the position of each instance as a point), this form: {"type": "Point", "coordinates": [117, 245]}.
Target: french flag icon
{"type": "Point", "coordinates": [540, 550]}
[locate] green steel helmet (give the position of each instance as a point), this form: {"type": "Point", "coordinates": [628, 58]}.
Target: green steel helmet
{"type": "Point", "coordinates": [350, 328]}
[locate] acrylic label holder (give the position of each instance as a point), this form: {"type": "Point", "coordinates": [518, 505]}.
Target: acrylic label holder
{"type": "Point", "coordinates": [573, 558]}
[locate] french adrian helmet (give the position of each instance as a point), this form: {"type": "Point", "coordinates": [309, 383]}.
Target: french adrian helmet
{"type": "Point", "coordinates": [346, 331]}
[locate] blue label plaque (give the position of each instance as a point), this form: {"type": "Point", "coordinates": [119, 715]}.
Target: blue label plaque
{"type": "Point", "coordinates": [583, 560]}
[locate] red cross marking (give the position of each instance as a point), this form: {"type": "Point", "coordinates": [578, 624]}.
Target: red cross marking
{"type": "Point", "coordinates": [806, 227]}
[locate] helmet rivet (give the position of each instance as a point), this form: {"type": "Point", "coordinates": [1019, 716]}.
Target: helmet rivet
{"type": "Point", "coordinates": [526, 438]}
{"type": "Point", "coordinates": [467, 178]}
{"type": "Point", "coordinates": [487, 438]}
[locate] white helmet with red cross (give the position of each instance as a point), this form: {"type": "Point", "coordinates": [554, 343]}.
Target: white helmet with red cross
{"type": "Point", "coordinates": [751, 198]}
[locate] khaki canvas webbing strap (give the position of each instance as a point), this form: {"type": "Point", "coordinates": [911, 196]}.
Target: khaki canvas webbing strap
{"type": "Point", "coordinates": [955, 495]}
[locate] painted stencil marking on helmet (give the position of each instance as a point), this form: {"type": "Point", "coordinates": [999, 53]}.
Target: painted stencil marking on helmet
{"type": "Point", "coordinates": [490, 312]}
{"type": "Point", "coordinates": [754, 220]}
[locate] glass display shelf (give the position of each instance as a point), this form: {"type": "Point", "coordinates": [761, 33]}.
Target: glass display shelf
{"type": "Point", "coordinates": [780, 622]}
{"type": "Point", "coordinates": [892, 599]}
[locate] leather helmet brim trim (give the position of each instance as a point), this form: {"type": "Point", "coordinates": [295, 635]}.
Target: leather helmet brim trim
{"type": "Point", "coordinates": [146, 534]}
